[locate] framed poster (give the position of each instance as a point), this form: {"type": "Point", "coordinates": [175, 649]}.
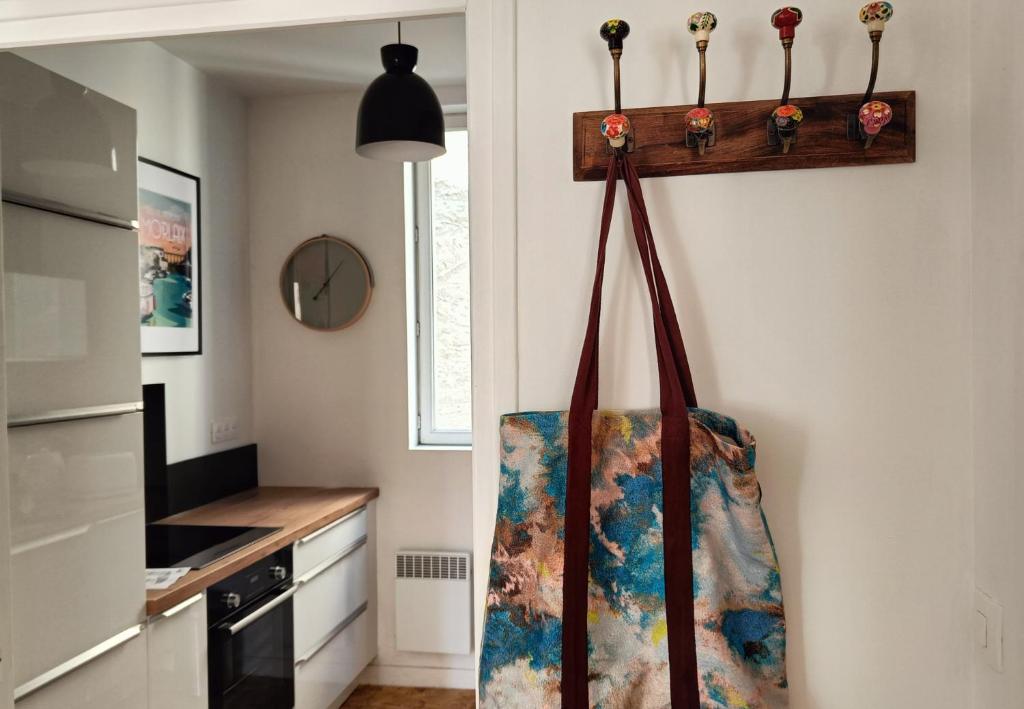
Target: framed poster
{"type": "Point", "coordinates": [170, 293]}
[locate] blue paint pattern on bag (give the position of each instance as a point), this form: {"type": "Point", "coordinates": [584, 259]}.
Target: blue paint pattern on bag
{"type": "Point", "coordinates": [739, 620]}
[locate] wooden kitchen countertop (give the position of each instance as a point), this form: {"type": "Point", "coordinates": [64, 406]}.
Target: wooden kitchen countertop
{"type": "Point", "coordinates": [297, 510]}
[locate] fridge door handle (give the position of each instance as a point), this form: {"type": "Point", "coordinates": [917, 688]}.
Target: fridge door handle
{"type": "Point", "coordinates": [34, 685]}
{"type": "Point", "coordinates": [49, 205]}
{"type": "Point", "coordinates": [84, 412]}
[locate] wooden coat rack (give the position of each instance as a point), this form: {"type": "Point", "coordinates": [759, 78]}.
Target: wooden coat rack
{"type": "Point", "coordinates": [743, 136]}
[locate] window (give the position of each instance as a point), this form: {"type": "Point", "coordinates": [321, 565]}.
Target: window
{"type": "Point", "coordinates": [437, 207]}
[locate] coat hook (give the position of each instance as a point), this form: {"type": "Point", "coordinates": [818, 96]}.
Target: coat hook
{"type": "Point", "coordinates": [785, 120]}
{"type": "Point", "coordinates": [700, 121]}
{"type": "Point", "coordinates": [873, 115]}
{"type": "Point", "coordinates": [615, 127]}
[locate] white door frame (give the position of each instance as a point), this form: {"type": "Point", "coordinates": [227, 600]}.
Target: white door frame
{"type": "Point", "coordinates": [491, 91]}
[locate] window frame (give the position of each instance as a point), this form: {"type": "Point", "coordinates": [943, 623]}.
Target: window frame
{"type": "Point", "coordinates": [419, 302]}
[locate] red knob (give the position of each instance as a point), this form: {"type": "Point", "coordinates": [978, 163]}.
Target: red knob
{"type": "Point", "coordinates": [785, 20]}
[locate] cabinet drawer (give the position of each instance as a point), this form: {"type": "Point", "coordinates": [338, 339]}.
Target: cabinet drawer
{"type": "Point", "coordinates": [178, 657]}
{"type": "Point", "coordinates": [115, 679]}
{"type": "Point", "coordinates": [73, 473]}
{"type": "Point", "coordinates": [65, 144]}
{"type": "Point", "coordinates": [330, 593]}
{"type": "Point", "coordinates": [321, 678]}
{"type": "Point", "coordinates": [71, 312]}
{"type": "Point", "coordinates": [73, 590]}
{"type": "Point", "coordinates": [78, 541]}
{"type": "Point", "coordinates": [326, 542]}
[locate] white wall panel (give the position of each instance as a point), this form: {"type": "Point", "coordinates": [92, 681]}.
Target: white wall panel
{"type": "Point", "coordinates": [827, 310]}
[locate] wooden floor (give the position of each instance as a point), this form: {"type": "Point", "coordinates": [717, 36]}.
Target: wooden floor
{"type": "Point", "coordinates": [368, 696]}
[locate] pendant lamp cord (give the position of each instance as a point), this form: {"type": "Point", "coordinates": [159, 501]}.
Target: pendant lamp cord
{"type": "Point", "coordinates": [399, 32]}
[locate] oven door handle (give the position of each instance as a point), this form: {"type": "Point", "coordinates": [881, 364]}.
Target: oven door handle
{"type": "Point", "coordinates": [248, 620]}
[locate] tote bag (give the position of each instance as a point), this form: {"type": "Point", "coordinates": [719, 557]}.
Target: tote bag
{"type": "Point", "coordinates": [632, 565]}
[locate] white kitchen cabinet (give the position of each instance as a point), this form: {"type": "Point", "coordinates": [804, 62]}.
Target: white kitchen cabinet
{"type": "Point", "coordinates": [71, 329]}
{"type": "Point", "coordinates": [178, 657]}
{"type": "Point", "coordinates": [335, 608]}
{"type": "Point", "coordinates": [113, 676]}
{"type": "Point", "coordinates": [329, 594]}
{"type": "Point", "coordinates": [64, 144]}
{"type": "Point", "coordinates": [324, 543]}
{"type": "Point", "coordinates": [78, 541]}
{"type": "Point", "coordinates": [324, 672]}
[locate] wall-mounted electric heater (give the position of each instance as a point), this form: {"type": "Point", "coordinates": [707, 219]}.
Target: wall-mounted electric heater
{"type": "Point", "coordinates": [433, 602]}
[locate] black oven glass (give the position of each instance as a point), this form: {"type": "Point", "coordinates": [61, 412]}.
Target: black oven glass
{"type": "Point", "coordinates": [254, 666]}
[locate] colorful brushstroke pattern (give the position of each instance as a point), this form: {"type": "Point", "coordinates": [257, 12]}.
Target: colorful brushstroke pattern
{"type": "Point", "coordinates": [739, 621]}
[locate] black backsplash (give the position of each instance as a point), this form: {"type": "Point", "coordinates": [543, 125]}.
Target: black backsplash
{"type": "Point", "coordinates": [176, 487]}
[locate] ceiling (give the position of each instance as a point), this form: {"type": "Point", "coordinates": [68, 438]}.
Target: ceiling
{"type": "Point", "coordinates": [317, 58]}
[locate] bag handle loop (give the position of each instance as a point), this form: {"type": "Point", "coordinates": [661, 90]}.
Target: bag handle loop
{"type": "Point", "coordinates": [676, 392]}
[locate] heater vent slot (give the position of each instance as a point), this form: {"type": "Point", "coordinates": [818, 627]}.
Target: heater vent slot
{"type": "Point", "coordinates": [418, 565]}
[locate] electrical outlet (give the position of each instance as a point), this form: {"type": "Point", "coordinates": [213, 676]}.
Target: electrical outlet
{"type": "Point", "coordinates": [224, 429]}
{"type": "Point", "coordinates": [988, 629]}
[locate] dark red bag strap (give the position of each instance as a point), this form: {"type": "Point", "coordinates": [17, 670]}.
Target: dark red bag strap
{"type": "Point", "coordinates": [675, 453]}
{"type": "Point", "coordinates": [664, 296]}
{"type": "Point", "coordinates": [676, 391]}
{"type": "Point", "coordinates": [577, 488]}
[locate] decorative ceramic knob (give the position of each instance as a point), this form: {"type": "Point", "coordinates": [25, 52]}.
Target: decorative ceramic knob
{"type": "Point", "coordinates": [875, 15]}
{"type": "Point", "coordinates": [700, 125]}
{"type": "Point", "coordinates": [701, 25]}
{"type": "Point", "coordinates": [873, 117]}
{"type": "Point", "coordinates": [787, 119]}
{"type": "Point", "coordinates": [613, 32]}
{"type": "Point", "coordinates": [699, 121]}
{"type": "Point", "coordinates": [785, 20]}
{"type": "Point", "coordinates": [615, 128]}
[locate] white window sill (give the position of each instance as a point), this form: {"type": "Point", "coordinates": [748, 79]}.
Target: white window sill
{"type": "Point", "coordinates": [467, 448]}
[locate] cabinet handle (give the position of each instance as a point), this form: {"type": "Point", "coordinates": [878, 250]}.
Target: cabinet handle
{"type": "Point", "coordinates": [175, 610]}
{"type": "Point", "coordinates": [323, 566]}
{"type": "Point", "coordinates": [49, 205]}
{"type": "Point", "coordinates": [352, 617]}
{"type": "Point", "coordinates": [324, 530]}
{"type": "Point", "coordinates": [83, 412]}
{"type": "Point", "coordinates": [34, 685]}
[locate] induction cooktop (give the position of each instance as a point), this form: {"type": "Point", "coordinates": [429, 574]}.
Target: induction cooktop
{"type": "Point", "coordinates": [196, 546]}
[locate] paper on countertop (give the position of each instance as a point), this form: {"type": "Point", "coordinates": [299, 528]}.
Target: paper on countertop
{"type": "Point", "coordinates": [159, 579]}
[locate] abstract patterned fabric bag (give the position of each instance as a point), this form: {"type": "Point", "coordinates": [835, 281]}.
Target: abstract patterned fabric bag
{"type": "Point", "coordinates": [632, 565]}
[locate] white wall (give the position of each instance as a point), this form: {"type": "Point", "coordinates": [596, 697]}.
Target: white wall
{"type": "Point", "coordinates": [997, 93]}
{"type": "Point", "coordinates": [331, 407]}
{"type": "Point", "coordinates": [826, 310]}
{"type": "Point", "coordinates": [188, 121]}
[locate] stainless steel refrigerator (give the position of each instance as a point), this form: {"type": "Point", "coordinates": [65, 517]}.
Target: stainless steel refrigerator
{"type": "Point", "coordinates": [73, 372]}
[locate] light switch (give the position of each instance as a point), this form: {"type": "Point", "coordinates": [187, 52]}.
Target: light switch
{"type": "Point", "coordinates": [224, 429]}
{"type": "Point", "coordinates": [988, 629]}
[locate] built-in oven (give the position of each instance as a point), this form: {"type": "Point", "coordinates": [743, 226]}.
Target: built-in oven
{"type": "Point", "coordinates": [252, 657]}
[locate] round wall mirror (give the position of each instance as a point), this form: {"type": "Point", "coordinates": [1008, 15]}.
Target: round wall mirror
{"type": "Point", "coordinates": [326, 283]}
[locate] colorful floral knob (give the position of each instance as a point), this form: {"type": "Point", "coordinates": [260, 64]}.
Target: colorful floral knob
{"type": "Point", "coordinates": [699, 120]}
{"type": "Point", "coordinates": [613, 32]}
{"type": "Point", "coordinates": [785, 20]}
{"type": "Point", "coordinates": [875, 15]}
{"type": "Point", "coordinates": [615, 128]}
{"type": "Point", "coordinates": [701, 25]}
{"type": "Point", "coordinates": [700, 124]}
{"type": "Point", "coordinates": [873, 116]}
{"type": "Point", "coordinates": [787, 119]}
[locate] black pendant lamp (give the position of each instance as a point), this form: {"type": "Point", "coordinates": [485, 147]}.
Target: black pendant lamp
{"type": "Point", "coordinates": [400, 117]}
